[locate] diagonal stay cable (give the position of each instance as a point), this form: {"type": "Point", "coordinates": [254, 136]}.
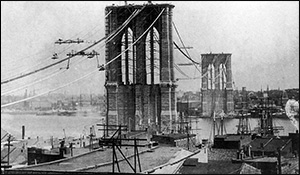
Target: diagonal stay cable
{"type": "Point", "coordinates": [180, 71]}
{"type": "Point", "coordinates": [185, 54]}
{"type": "Point", "coordinates": [138, 38]}
{"type": "Point", "coordinates": [180, 39]}
{"type": "Point", "coordinates": [40, 80]}
{"type": "Point", "coordinates": [110, 37]}
{"type": "Point", "coordinates": [29, 98]}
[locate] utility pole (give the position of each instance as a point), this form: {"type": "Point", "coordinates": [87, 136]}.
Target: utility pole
{"type": "Point", "coordinates": [188, 124]}
{"type": "Point", "coordinates": [91, 138]}
{"type": "Point", "coordinates": [8, 149]}
{"type": "Point", "coordinates": [65, 134]}
{"type": "Point", "coordinates": [23, 132]}
{"type": "Point", "coordinates": [279, 160]}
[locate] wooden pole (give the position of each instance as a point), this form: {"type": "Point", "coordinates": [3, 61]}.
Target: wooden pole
{"type": "Point", "coordinates": [23, 132]}
{"type": "Point", "coordinates": [134, 155]}
{"type": "Point", "coordinates": [279, 161]}
{"type": "Point", "coordinates": [9, 136]}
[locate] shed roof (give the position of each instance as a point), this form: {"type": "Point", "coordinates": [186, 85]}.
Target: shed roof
{"type": "Point", "coordinates": [270, 144]}
{"type": "Point", "coordinates": [212, 167]}
{"type": "Point", "coordinates": [256, 143]}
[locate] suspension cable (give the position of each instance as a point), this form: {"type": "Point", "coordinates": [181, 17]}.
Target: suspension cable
{"type": "Point", "coordinates": [110, 37]}
{"type": "Point", "coordinates": [29, 98]}
{"type": "Point", "coordinates": [138, 38]}
{"type": "Point", "coordinates": [180, 38]}
{"type": "Point", "coordinates": [188, 55]}
{"type": "Point", "coordinates": [40, 80]}
{"type": "Point", "coordinates": [180, 71]}
{"type": "Point", "coordinates": [185, 54]}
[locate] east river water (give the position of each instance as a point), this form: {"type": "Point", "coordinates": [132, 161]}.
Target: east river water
{"type": "Point", "coordinates": [78, 125]}
{"type": "Point", "coordinates": [50, 125]}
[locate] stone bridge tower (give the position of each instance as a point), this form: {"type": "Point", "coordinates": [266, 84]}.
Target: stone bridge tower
{"type": "Point", "coordinates": [217, 92]}
{"type": "Point", "coordinates": [140, 84]}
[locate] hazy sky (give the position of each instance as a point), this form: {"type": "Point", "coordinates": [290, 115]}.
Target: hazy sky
{"type": "Point", "coordinates": [263, 38]}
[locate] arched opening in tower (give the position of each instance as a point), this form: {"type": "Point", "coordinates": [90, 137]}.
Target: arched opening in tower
{"type": "Point", "coordinates": [222, 79]}
{"type": "Point", "coordinates": [211, 77]}
{"type": "Point", "coordinates": [127, 57]}
{"type": "Point", "coordinates": [152, 57]}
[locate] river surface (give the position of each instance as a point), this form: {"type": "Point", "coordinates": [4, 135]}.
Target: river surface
{"type": "Point", "coordinates": [76, 126]}
{"type": "Point", "coordinates": [50, 125]}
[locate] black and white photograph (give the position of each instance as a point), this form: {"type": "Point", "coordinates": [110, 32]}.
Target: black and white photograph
{"type": "Point", "coordinates": [150, 87]}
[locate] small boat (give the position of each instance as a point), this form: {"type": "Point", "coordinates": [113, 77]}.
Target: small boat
{"type": "Point", "coordinates": [66, 112]}
{"type": "Point", "coordinates": [50, 112]}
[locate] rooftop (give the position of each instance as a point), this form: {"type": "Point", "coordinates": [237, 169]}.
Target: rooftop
{"type": "Point", "coordinates": [212, 167]}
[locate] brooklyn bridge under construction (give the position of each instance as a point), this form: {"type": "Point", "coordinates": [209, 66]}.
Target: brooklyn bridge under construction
{"type": "Point", "coordinates": [145, 129]}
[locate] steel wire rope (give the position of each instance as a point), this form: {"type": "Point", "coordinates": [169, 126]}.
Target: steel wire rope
{"type": "Point", "coordinates": [27, 56]}
{"type": "Point", "coordinates": [29, 98]}
{"type": "Point", "coordinates": [200, 76]}
{"type": "Point", "coordinates": [127, 21]}
{"type": "Point", "coordinates": [16, 84]}
{"type": "Point", "coordinates": [69, 46]}
{"type": "Point", "coordinates": [138, 37]}
{"type": "Point", "coordinates": [135, 13]}
{"type": "Point", "coordinates": [13, 73]}
{"type": "Point", "coordinates": [180, 71]}
{"type": "Point", "coordinates": [43, 61]}
{"type": "Point", "coordinates": [83, 37]}
{"type": "Point", "coordinates": [109, 38]}
{"type": "Point", "coordinates": [9, 104]}
{"type": "Point", "coordinates": [124, 24]}
{"type": "Point", "coordinates": [194, 62]}
{"type": "Point", "coordinates": [194, 78]}
{"type": "Point", "coordinates": [27, 85]}
{"type": "Point", "coordinates": [43, 51]}
{"type": "Point", "coordinates": [180, 39]}
{"type": "Point", "coordinates": [39, 63]}
{"type": "Point", "coordinates": [35, 79]}
{"type": "Point", "coordinates": [188, 56]}
{"type": "Point", "coordinates": [175, 65]}
{"type": "Point", "coordinates": [43, 79]}
{"type": "Point", "coordinates": [91, 29]}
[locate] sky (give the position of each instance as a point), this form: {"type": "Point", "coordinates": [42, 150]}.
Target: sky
{"type": "Point", "coordinates": [263, 38]}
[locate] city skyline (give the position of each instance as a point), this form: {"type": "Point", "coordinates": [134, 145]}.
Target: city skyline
{"type": "Point", "coordinates": [263, 38]}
